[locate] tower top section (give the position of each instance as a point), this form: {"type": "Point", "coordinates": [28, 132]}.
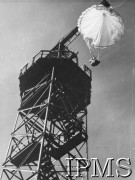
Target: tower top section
{"type": "Point", "coordinates": [63, 60]}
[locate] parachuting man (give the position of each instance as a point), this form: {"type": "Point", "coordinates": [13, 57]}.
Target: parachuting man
{"type": "Point", "coordinates": [101, 26]}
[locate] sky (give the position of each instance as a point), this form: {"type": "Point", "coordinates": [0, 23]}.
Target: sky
{"type": "Point", "coordinates": [26, 27]}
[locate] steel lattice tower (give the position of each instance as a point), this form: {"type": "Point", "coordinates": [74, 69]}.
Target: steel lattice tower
{"type": "Point", "coordinates": [51, 123]}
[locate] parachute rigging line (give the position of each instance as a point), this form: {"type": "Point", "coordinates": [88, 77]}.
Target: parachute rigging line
{"type": "Point", "coordinates": [120, 4]}
{"type": "Point", "coordinates": [132, 101]}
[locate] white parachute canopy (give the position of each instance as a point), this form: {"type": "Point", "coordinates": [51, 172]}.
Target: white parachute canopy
{"type": "Point", "coordinates": [101, 26]}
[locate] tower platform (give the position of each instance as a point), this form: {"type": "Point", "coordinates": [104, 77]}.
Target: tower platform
{"type": "Point", "coordinates": [66, 70]}
{"type": "Point", "coordinates": [75, 83]}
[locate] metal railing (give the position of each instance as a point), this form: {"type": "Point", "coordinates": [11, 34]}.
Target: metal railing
{"type": "Point", "coordinates": [54, 54]}
{"type": "Point", "coordinates": [41, 54]}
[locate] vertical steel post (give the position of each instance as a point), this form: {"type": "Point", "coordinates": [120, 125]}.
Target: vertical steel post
{"type": "Point", "coordinates": [45, 123]}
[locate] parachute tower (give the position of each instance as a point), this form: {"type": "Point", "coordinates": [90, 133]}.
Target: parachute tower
{"type": "Point", "coordinates": [51, 123]}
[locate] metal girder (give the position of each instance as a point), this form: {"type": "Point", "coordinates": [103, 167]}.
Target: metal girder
{"type": "Point", "coordinates": [51, 126]}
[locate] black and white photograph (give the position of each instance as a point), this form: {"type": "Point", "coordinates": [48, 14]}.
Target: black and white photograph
{"type": "Point", "coordinates": [67, 89]}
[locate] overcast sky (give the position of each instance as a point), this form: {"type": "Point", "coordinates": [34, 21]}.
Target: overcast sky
{"type": "Point", "coordinates": [26, 27]}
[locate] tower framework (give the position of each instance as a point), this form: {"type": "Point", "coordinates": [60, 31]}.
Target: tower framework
{"type": "Point", "coordinates": [51, 124]}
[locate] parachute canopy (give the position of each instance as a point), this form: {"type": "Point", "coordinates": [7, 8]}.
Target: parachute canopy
{"type": "Point", "coordinates": [100, 26]}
